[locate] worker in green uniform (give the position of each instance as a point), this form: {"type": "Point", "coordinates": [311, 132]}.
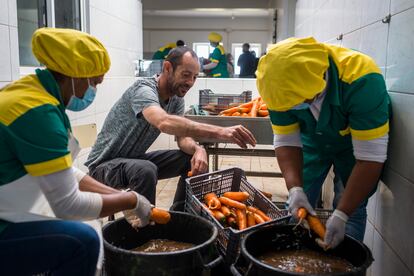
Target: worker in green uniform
{"type": "Point", "coordinates": [217, 67]}
{"type": "Point", "coordinates": [328, 106]}
{"type": "Point", "coordinates": [37, 149]}
{"type": "Point", "coordinates": [162, 52]}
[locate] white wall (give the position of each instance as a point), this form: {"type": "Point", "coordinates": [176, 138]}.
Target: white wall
{"type": "Point", "coordinates": [158, 30]}
{"type": "Point", "coordinates": [9, 55]}
{"type": "Point", "coordinates": [390, 220]}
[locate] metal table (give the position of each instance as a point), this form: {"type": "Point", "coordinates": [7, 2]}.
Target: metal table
{"type": "Point", "coordinates": [261, 129]}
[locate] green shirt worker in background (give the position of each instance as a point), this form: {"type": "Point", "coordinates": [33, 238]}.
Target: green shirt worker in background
{"type": "Point", "coordinates": [218, 62]}
{"type": "Point", "coordinates": [163, 52]}
{"type": "Point", "coordinates": [37, 149]}
{"type": "Point", "coordinates": [328, 107]}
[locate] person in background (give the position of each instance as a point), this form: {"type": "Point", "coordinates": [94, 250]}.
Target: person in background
{"type": "Point", "coordinates": [230, 65]}
{"type": "Point", "coordinates": [247, 62]}
{"type": "Point", "coordinates": [162, 52]}
{"type": "Point", "coordinates": [37, 149]}
{"type": "Point", "coordinates": [150, 106]}
{"type": "Point", "coordinates": [328, 106]}
{"type": "Point", "coordinates": [217, 67]}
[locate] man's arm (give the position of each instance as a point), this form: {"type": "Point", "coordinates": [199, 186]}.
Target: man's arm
{"type": "Point", "coordinates": [182, 127]}
{"type": "Point", "coordinates": [89, 184]}
{"type": "Point", "coordinates": [199, 162]}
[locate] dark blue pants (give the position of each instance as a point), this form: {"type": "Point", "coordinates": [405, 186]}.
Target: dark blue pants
{"type": "Point", "coordinates": [57, 247]}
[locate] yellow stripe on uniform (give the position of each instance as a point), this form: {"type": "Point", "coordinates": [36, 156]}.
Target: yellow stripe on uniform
{"type": "Point", "coordinates": [214, 60]}
{"type": "Point", "coordinates": [50, 166]}
{"type": "Point", "coordinates": [285, 129]}
{"type": "Point", "coordinates": [217, 75]}
{"type": "Point", "coordinates": [370, 134]}
{"type": "Point", "coordinates": [345, 131]}
{"type": "Point", "coordinates": [24, 95]}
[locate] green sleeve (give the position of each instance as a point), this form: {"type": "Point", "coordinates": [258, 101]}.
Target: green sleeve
{"type": "Point", "coordinates": [283, 122]}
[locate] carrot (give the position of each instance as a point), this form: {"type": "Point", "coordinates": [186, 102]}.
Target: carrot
{"type": "Point", "coordinates": [244, 109]}
{"type": "Point", "coordinates": [232, 203]}
{"type": "Point", "coordinates": [225, 210]}
{"type": "Point", "coordinates": [266, 194]}
{"type": "Point", "coordinates": [258, 218]}
{"type": "Point", "coordinates": [160, 216]}
{"type": "Point", "coordinates": [236, 114]}
{"type": "Point", "coordinates": [245, 115]}
{"type": "Point", "coordinates": [316, 225]}
{"type": "Point", "coordinates": [231, 221]}
{"type": "Point", "coordinates": [241, 218]}
{"type": "Point", "coordinates": [212, 201]}
{"type": "Point", "coordinates": [302, 213]}
{"type": "Point", "coordinates": [263, 107]}
{"type": "Point", "coordinates": [259, 212]}
{"type": "Point", "coordinates": [238, 196]}
{"type": "Point", "coordinates": [208, 210]}
{"type": "Point", "coordinates": [246, 105]}
{"type": "Point", "coordinates": [263, 113]}
{"type": "Point", "coordinates": [230, 110]}
{"type": "Point", "coordinates": [219, 216]}
{"type": "Point", "coordinates": [251, 221]}
{"type": "Point", "coordinates": [189, 174]}
{"type": "Point", "coordinates": [253, 113]}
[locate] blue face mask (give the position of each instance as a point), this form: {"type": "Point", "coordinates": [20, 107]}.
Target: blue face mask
{"type": "Point", "coordinates": [301, 106]}
{"type": "Point", "coordinates": [79, 104]}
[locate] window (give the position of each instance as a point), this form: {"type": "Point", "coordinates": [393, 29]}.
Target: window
{"type": "Point", "coordinates": [237, 50]}
{"type": "Point", "coordinates": [34, 14]}
{"type": "Point", "coordinates": [203, 49]}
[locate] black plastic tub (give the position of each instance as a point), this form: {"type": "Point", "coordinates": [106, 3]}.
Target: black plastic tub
{"type": "Point", "coordinates": [119, 238]}
{"type": "Point", "coordinates": [279, 237]}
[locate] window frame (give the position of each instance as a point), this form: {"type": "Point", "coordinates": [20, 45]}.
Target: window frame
{"type": "Point", "coordinates": [240, 45]}
{"type": "Point", "coordinates": [49, 17]}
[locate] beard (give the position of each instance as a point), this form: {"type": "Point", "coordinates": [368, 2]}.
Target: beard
{"type": "Point", "coordinates": [176, 88]}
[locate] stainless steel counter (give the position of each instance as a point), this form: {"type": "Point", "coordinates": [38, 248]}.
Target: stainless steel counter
{"type": "Point", "coordinates": [261, 129]}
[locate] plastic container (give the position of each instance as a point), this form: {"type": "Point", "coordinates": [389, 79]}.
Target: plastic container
{"type": "Point", "coordinates": [222, 101]}
{"type": "Point", "coordinates": [279, 237]}
{"type": "Point", "coordinates": [219, 182]}
{"type": "Point", "coordinates": [119, 238]}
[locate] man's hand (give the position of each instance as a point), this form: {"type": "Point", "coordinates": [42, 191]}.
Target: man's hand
{"type": "Point", "coordinates": [335, 229]}
{"type": "Point", "coordinates": [238, 135]}
{"type": "Point", "coordinates": [297, 199]}
{"type": "Point", "coordinates": [140, 215]}
{"type": "Point", "coordinates": [199, 162]}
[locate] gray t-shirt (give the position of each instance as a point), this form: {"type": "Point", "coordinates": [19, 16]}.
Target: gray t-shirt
{"type": "Point", "coordinates": [125, 132]}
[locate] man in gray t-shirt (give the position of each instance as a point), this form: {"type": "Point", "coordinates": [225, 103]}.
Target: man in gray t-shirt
{"type": "Point", "coordinates": [150, 106]}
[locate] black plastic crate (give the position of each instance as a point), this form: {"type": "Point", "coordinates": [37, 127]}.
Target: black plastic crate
{"type": "Point", "coordinates": [219, 182]}
{"type": "Point", "coordinates": [222, 101]}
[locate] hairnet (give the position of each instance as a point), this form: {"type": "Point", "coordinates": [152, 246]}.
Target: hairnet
{"type": "Point", "coordinates": [291, 72]}
{"type": "Point", "coordinates": [70, 52]}
{"type": "Point", "coordinates": [214, 37]}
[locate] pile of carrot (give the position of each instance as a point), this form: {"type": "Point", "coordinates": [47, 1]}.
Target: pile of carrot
{"type": "Point", "coordinates": [254, 108]}
{"type": "Point", "coordinates": [314, 222]}
{"type": "Point", "coordinates": [231, 211]}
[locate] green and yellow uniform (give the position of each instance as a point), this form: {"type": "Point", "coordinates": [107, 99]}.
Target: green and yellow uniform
{"type": "Point", "coordinates": [356, 105]}
{"type": "Point", "coordinates": [163, 52]}
{"type": "Point", "coordinates": [219, 56]}
{"type": "Point", "coordinates": [33, 129]}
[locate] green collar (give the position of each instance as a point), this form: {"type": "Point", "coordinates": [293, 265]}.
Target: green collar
{"type": "Point", "coordinates": [331, 97]}
{"type": "Point", "coordinates": [49, 83]}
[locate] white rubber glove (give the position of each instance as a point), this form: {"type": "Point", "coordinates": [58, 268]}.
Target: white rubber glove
{"type": "Point", "coordinates": [335, 229]}
{"type": "Point", "coordinates": [140, 215]}
{"type": "Point", "coordinates": [297, 199]}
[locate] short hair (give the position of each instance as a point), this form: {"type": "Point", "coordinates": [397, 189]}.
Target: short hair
{"type": "Point", "coordinates": [246, 45]}
{"type": "Point", "coordinates": [180, 43]}
{"type": "Point", "coordinates": [175, 56]}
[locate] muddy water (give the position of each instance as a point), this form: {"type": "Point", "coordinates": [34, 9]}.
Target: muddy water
{"type": "Point", "coordinates": [305, 261]}
{"type": "Point", "coordinates": [162, 245]}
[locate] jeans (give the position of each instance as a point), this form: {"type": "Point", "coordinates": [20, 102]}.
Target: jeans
{"type": "Point", "coordinates": [141, 174]}
{"type": "Point", "coordinates": [57, 247]}
{"type": "Point", "coordinates": [355, 226]}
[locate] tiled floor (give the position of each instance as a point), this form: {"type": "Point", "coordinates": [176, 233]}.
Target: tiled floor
{"type": "Point", "coordinates": [275, 186]}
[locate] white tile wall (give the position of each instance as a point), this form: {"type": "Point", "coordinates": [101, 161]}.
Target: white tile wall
{"type": "Point", "coordinates": [5, 68]}
{"type": "Point", "coordinates": [12, 5]}
{"type": "Point", "coordinates": [4, 12]}
{"type": "Point", "coordinates": [390, 220]}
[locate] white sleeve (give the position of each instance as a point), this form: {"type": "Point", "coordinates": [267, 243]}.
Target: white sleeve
{"type": "Point", "coordinates": [66, 200]}
{"type": "Point", "coordinates": [78, 174]}
{"type": "Point", "coordinates": [210, 65]}
{"type": "Point", "coordinates": [292, 140]}
{"type": "Point", "coordinates": [371, 150]}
